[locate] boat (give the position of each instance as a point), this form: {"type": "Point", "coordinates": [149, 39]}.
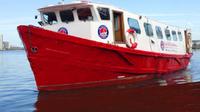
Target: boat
{"type": "Point", "coordinates": [84, 44]}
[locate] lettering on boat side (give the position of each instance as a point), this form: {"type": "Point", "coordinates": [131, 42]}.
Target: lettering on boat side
{"type": "Point", "coordinates": [63, 30]}
{"type": "Point", "coordinates": [162, 45]}
{"type": "Point", "coordinates": [168, 46]}
{"type": "Point", "coordinates": [103, 32]}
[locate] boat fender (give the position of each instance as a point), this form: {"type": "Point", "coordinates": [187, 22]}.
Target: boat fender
{"type": "Point", "coordinates": [130, 38]}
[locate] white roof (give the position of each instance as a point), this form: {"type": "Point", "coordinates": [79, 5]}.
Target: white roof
{"type": "Point", "coordinates": [74, 4]}
{"type": "Point", "coordinates": [60, 6]}
{"type": "Point", "coordinates": [83, 3]}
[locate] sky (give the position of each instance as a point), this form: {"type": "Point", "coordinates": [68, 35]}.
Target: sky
{"type": "Point", "coordinates": [182, 13]}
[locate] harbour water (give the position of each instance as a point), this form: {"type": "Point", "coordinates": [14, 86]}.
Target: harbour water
{"type": "Point", "coordinates": [176, 92]}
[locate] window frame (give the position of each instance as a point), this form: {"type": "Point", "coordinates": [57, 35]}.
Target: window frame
{"type": "Point", "coordinates": [46, 21]}
{"type": "Point", "coordinates": [116, 22]}
{"type": "Point", "coordinates": [159, 32]}
{"type": "Point", "coordinates": [108, 13]}
{"type": "Point", "coordinates": [138, 30]}
{"type": "Point", "coordinates": [168, 38]}
{"type": "Point", "coordinates": [83, 18]}
{"type": "Point", "coordinates": [72, 15]}
{"type": "Point", "coordinates": [174, 35]}
{"type": "Point", "coordinates": [149, 32]}
{"type": "Point", "coordinates": [180, 36]}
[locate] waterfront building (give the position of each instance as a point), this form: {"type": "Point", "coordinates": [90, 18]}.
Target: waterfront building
{"type": "Point", "coordinates": [1, 42]}
{"type": "Point", "coordinates": [196, 44]}
{"type": "Point", "coordinates": [6, 45]}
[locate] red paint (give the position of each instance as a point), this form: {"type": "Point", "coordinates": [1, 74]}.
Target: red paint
{"type": "Point", "coordinates": [132, 31]}
{"type": "Point", "coordinates": [62, 61]}
{"type": "Point", "coordinates": [133, 43]}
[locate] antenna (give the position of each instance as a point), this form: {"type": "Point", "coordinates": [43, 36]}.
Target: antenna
{"type": "Point", "coordinates": [62, 2]}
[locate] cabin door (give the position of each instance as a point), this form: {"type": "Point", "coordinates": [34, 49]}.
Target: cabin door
{"type": "Point", "coordinates": [118, 26]}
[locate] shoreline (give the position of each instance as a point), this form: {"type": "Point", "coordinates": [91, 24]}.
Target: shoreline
{"type": "Point", "coordinates": [13, 50]}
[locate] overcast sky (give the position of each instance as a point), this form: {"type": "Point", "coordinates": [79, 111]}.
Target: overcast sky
{"type": "Point", "coordinates": [183, 13]}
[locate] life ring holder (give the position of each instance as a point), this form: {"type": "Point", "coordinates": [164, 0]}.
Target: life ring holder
{"type": "Point", "coordinates": [131, 38]}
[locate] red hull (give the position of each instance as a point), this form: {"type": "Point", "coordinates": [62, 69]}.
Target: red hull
{"type": "Point", "coordinates": [62, 61]}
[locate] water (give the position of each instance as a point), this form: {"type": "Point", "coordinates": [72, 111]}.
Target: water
{"type": "Point", "coordinates": [177, 92]}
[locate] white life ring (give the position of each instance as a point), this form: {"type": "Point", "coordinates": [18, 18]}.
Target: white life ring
{"type": "Point", "coordinates": [131, 38]}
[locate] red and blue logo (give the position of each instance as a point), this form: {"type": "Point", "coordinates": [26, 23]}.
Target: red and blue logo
{"type": "Point", "coordinates": [63, 30]}
{"type": "Point", "coordinates": [103, 32]}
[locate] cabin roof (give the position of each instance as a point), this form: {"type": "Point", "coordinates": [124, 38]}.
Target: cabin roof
{"type": "Point", "coordinates": [75, 4]}
{"type": "Point", "coordinates": [60, 6]}
{"type": "Point", "coordinates": [79, 4]}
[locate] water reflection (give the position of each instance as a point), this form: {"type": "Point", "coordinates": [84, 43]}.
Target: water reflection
{"type": "Point", "coordinates": [175, 92]}
{"type": "Point", "coordinates": [171, 93]}
{"type": "Point", "coordinates": [181, 77]}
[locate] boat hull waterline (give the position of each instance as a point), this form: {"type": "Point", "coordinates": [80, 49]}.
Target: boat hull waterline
{"type": "Point", "coordinates": [61, 61]}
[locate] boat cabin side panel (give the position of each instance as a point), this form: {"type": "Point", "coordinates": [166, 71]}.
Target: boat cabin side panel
{"type": "Point", "coordinates": [112, 25]}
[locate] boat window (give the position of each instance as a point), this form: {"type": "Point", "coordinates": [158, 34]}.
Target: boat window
{"type": "Point", "coordinates": [84, 14]}
{"type": "Point", "coordinates": [167, 34]}
{"type": "Point", "coordinates": [148, 29]}
{"type": "Point", "coordinates": [133, 24]}
{"type": "Point", "coordinates": [180, 36]}
{"type": "Point", "coordinates": [116, 20]}
{"type": "Point", "coordinates": [50, 18]}
{"type": "Point", "coordinates": [159, 32]}
{"type": "Point", "coordinates": [174, 36]}
{"type": "Point", "coordinates": [67, 16]}
{"type": "Point", "coordinates": [104, 13]}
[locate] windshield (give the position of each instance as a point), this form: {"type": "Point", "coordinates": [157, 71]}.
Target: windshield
{"type": "Point", "coordinates": [84, 14]}
{"type": "Point", "coordinates": [104, 13]}
{"type": "Point", "coordinates": [66, 16]}
{"type": "Point", "coordinates": [50, 18]}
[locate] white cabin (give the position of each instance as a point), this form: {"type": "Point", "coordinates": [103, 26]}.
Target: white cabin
{"type": "Point", "coordinates": [108, 24]}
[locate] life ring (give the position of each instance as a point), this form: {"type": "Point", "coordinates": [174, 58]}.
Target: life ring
{"type": "Point", "coordinates": [131, 38]}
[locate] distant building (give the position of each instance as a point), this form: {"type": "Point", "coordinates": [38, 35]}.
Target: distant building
{"type": "Point", "coordinates": [16, 48]}
{"type": "Point", "coordinates": [1, 42]}
{"type": "Point", "coordinates": [196, 44]}
{"type": "Point", "coordinates": [6, 45]}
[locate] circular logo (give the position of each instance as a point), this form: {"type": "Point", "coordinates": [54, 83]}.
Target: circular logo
{"type": "Point", "coordinates": [162, 45]}
{"type": "Point", "coordinates": [63, 30]}
{"type": "Point", "coordinates": [103, 32]}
